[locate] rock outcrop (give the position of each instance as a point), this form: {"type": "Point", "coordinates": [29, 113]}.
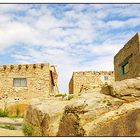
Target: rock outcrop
{"type": "Point", "coordinates": [122, 122]}
{"type": "Point", "coordinates": [128, 90]}
{"type": "Point", "coordinates": [90, 114]}
{"type": "Point", "coordinates": [67, 118]}
{"type": "Point", "coordinates": [44, 117]}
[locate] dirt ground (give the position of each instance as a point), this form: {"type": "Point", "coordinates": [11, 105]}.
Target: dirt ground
{"type": "Point", "coordinates": [6, 132]}
{"type": "Point", "coordinates": [16, 122]}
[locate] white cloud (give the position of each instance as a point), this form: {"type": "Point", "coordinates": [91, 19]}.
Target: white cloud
{"type": "Point", "coordinates": [84, 38]}
{"type": "Point", "coordinates": [5, 8]}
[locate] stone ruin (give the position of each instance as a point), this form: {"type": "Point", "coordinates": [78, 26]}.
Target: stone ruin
{"type": "Point", "coordinates": [19, 84]}
{"type": "Point", "coordinates": [89, 81]}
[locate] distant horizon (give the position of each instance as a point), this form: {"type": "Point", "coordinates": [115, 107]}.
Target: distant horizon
{"type": "Point", "coordinates": [73, 37]}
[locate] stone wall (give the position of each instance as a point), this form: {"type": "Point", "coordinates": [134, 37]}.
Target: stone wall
{"type": "Point", "coordinates": [130, 54]}
{"type": "Point", "coordinates": [41, 80]}
{"type": "Point", "coordinates": [89, 81]}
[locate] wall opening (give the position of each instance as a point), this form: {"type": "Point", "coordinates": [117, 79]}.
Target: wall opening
{"type": "Point", "coordinates": [106, 78]}
{"type": "Point", "coordinates": [52, 82]}
{"type": "Point", "coordinates": [125, 68]}
{"type": "Point", "coordinates": [20, 82]}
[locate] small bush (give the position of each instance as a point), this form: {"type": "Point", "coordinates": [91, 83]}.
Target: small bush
{"type": "Point", "coordinates": [61, 95]}
{"type": "Point", "coordinates": [28, 130]}
{"type": "Point", "coordinates": [15, 116]}
{"type": "Point", "coordinates": [6, 114]}
{"type": "Point", "coordinates": [58, 95]}
{"type": "Point", "coordinates": [64, 95]}
{"type": "Point", "coordinates": [17, 112]}
{"type": "Point", "coordinates": [3, 113]}
{"type": "Point", "coordinates": [10, 127]}
{"type": "Point", "coordinates": [70, 97]}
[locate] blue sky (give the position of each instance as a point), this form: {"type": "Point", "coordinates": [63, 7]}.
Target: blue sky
{"type": "Point", "coordinates": [74, 37]}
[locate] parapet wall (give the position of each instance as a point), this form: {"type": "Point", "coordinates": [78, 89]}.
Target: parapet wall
{"type": "Point", "coordinates": [12, 67]}
{"type": "Point", "coordinates": [89, 80]}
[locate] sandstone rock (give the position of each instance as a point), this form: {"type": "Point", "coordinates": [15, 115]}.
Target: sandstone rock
{"type": "Point", "coordinates": [45, 117]}
{"type": "Point", "coordinates": [121, 122]}
{"type": "Point", "coordinates": [90, 114]}
{"type": "Point", "coordinates": [67, 118]}
{"type": "Point", "coordinates": [128, 90]}
{"type": "Point", "coordinates": [106, 89]}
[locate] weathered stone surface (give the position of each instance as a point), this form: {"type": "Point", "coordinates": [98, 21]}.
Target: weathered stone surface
{"type": "Point", "coordinates": [67, 118]}
{"type": "Point", "coordinates": [90, 114]}
{"type": "Point", "coordinates": [128, 89]}
{"type": "Point", "coordinates": [121, 122]}
{"type": "Point", "coordinates": [45, 117]}
{"type": "Point", "coordinates": [106, 89]}
{"type": "Point", "coordinates": [85, 110]}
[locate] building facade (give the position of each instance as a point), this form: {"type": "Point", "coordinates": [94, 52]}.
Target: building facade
{"type": "Point", "coordinates": [89, 81]}
{"type": "Point", "coordinates": [127, 60]}
{"type": "Point", "coordinates": [28, 80]}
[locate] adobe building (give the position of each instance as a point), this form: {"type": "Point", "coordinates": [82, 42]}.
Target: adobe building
{"type": "Point", "coordinates": [28, 80]}
{"type": "Point", "coordinates": [89, 81]}
{"type": "Point", "coordinates": [127, 60]}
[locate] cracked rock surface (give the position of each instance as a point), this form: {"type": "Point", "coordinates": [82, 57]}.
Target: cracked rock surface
{"type": "Point", "coordinates": [69, 118]}
{"type": "Point", "coordinates": [90, 114]}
